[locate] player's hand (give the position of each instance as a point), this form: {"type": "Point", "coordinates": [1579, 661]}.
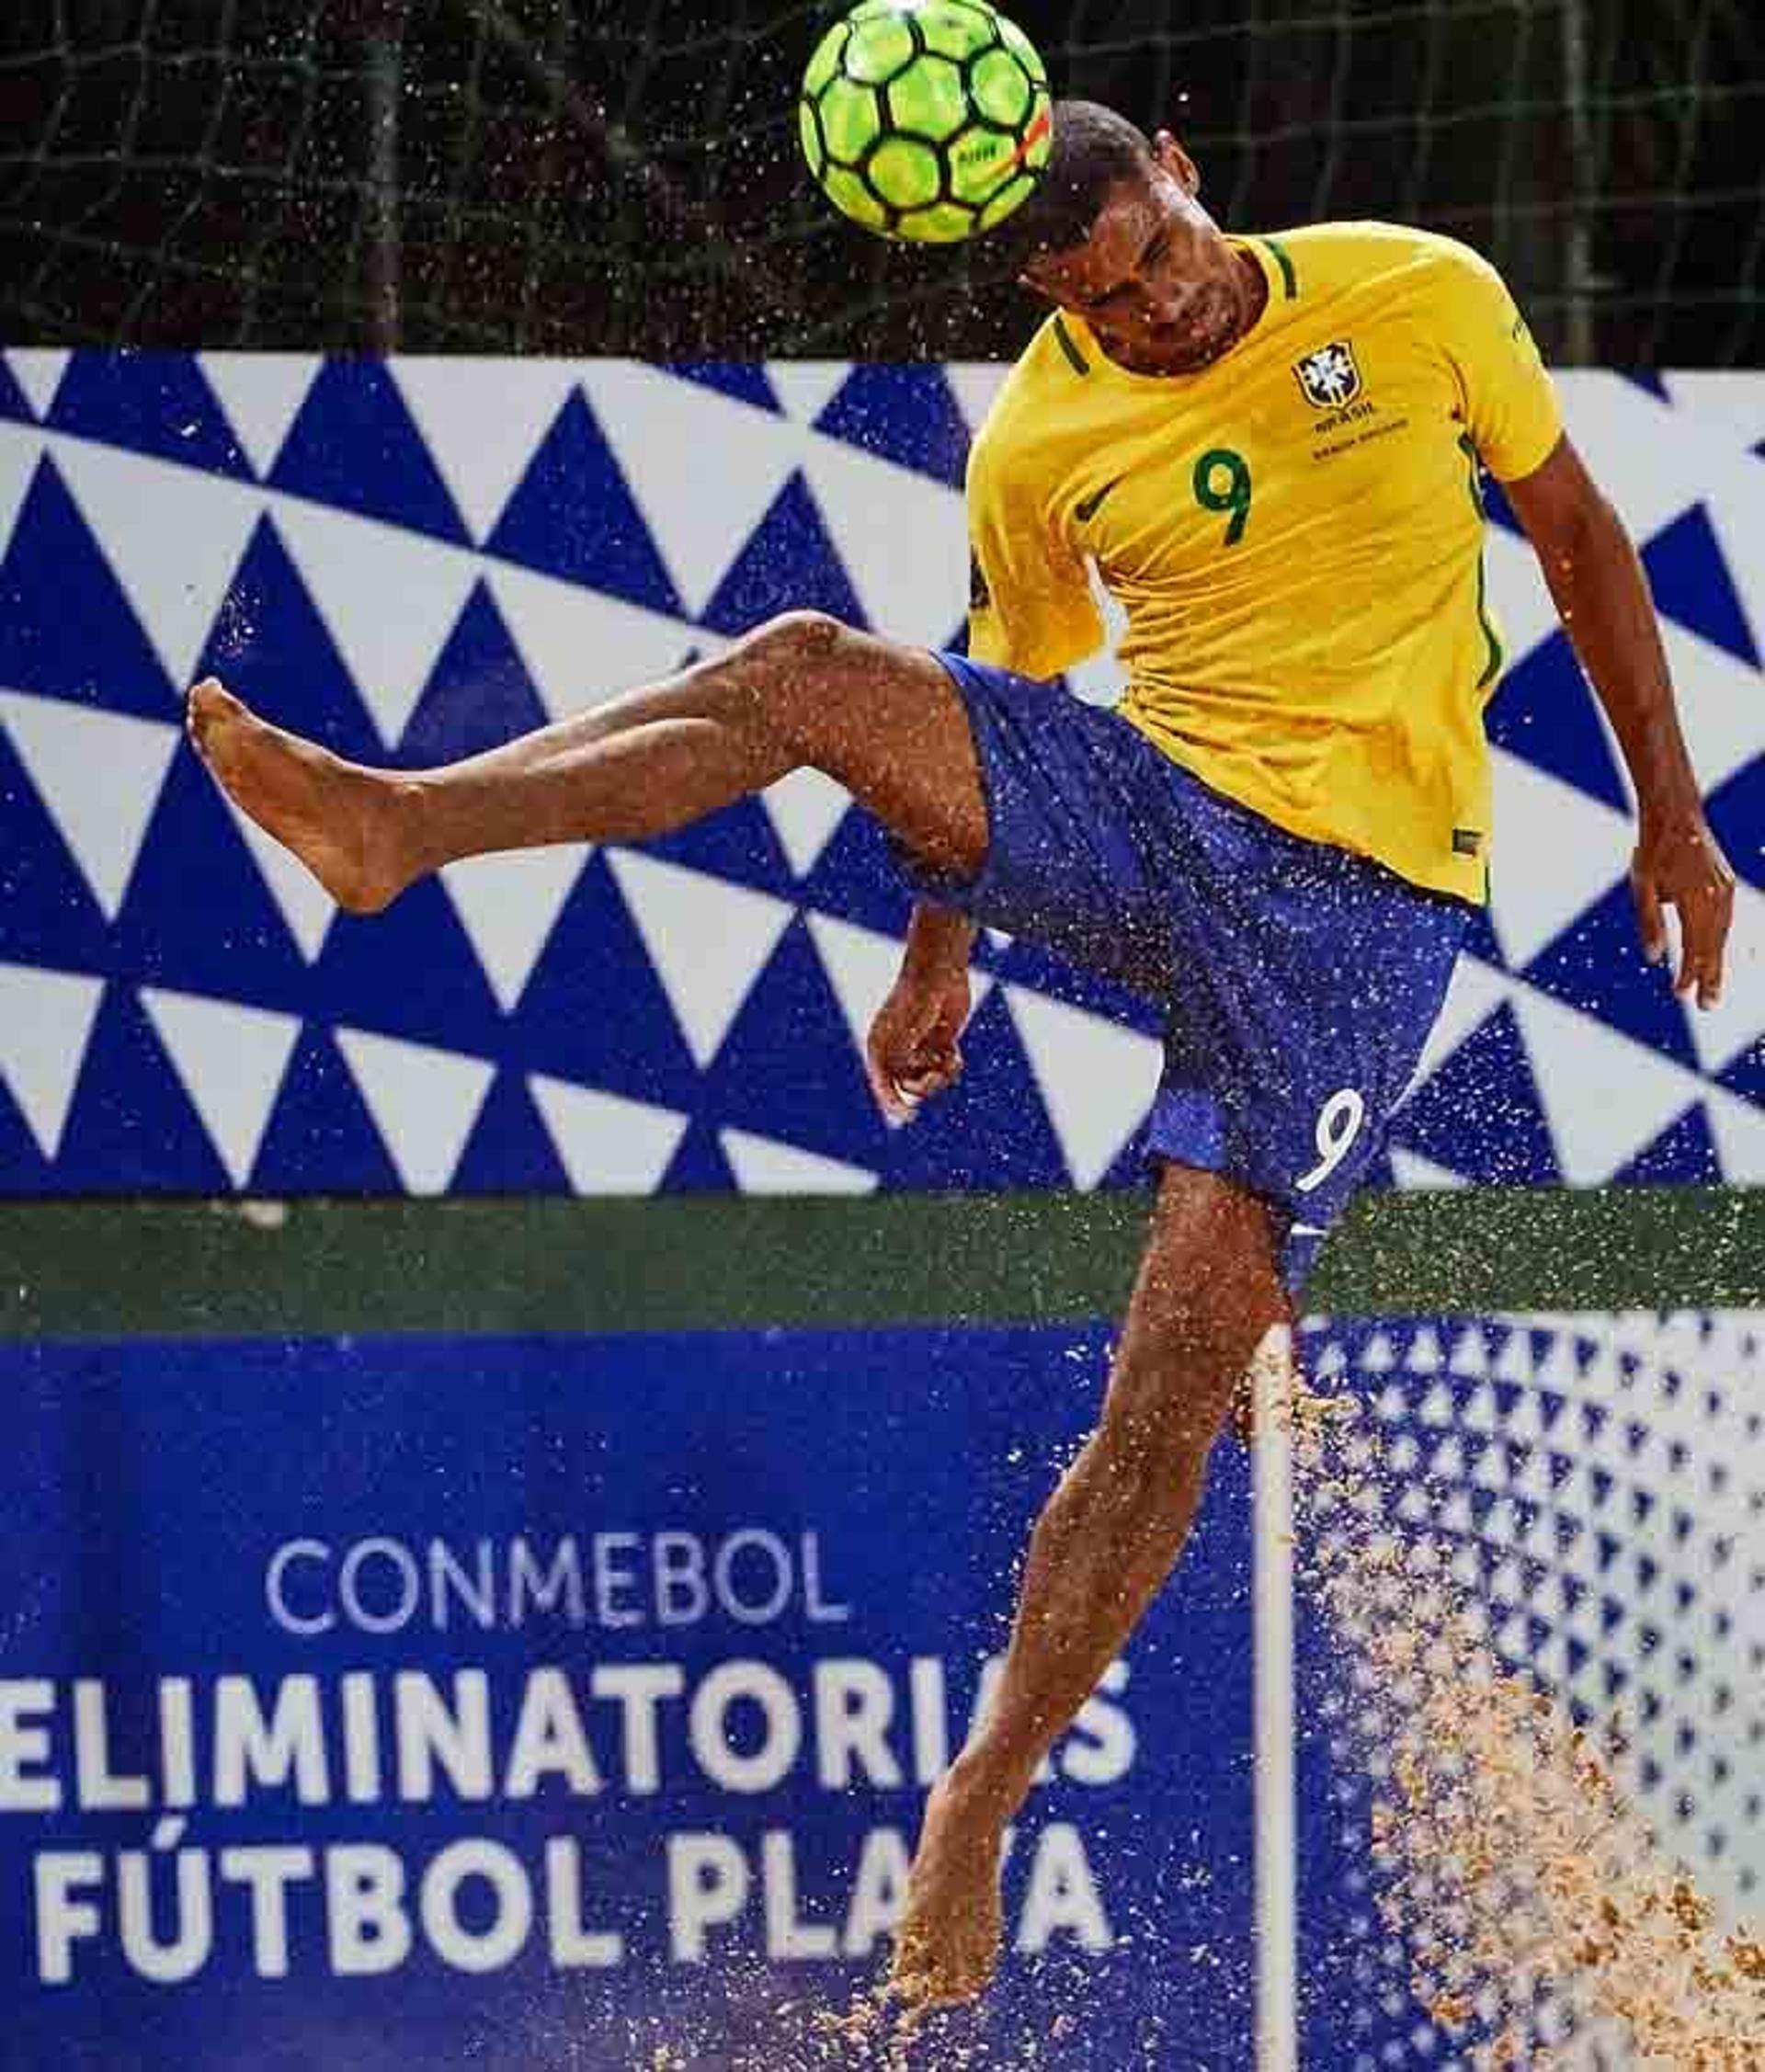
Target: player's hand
{"type": "Point", "coordinates": [1679, 864]}
{"type": "Point", "coordinates": [914, 1049]}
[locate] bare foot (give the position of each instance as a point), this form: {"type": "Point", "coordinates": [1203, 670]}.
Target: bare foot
{"type": "Point", "coordinates": [334, 816]}
{"type": "Point", "coordinates": [948, 1946]}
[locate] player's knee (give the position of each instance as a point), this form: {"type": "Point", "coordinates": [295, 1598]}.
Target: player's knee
{"type": "Point", "coordinates": [795, 647]}
{"type": "Point", "coordinates": [785, 666]}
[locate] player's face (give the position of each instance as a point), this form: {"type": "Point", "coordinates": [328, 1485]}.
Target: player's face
{"type": "Point", "coordinates": [1156, 281]}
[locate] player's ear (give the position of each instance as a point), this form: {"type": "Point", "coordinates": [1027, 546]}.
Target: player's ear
{"type": "Point", "coordinates": [1170, 155]}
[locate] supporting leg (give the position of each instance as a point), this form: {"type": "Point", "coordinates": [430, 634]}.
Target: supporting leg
{"type": "Point", "coordinates": [1208, 1289]}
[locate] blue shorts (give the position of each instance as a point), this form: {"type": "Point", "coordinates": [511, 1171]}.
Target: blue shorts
{"type": "Point", "coordinates": [1299, 981]}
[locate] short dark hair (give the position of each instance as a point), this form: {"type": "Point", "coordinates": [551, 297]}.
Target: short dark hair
{"type": "Point", "coordinates": [1095, 148]}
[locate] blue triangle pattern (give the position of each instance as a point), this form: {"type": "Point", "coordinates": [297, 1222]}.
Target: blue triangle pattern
{"type": "Point", "coordinates": [1648, 380]}
{"type": "Point", "coordinates": [271, 643]}
{"type": "Point", "coordinates": [98, 656]}
{"type": "Point", "coordinates": [745, 380]}
{"type": "Point", "coordinates": [790, 564]}
{"type": "Point", "coordinates": [410, 972]}
{"type": "Point", "coordinates": [353, 445]}
{"type": "Point", "coordinates": [196, 915]}
{"type": "Point", "coordinates": [1736, 814]}
{"type": "Point", "coordinates": [23, 1167]}
{"type": "Point", "coordinates": [14, 403]}
{"type": "Point", "coordinates": [855, 879]}
{"type": "Point", "coordinates": [1480, 1113]}
{"type": "Point", "coordinates": [738, 842]}
{"type": "Point", "coordinates": [595, 1013]}
{"type": "Point", "coordinates": [1683, 1154]}
{"type": "Point", "coordinates": [1745, 1075]}
{"type": "Point", "coordinates": [48, 915]}
{"type": "Point", "coordinates": [990, 1131]}
{"type": "Point", "coordinates": [788, 1068]}
{"type": "Point", "coordinates": [1543, 711]}
{"type": "Point", "coordinates": [1597, 965]}
{"type": "Point", "coordinates": [132, 1127]}
{"type": "Point", "coordinates": [905, 414]}
{"type": "Point", "coordinates": [479, 694]}
{"type": "Point", "coordinates": [510, 1150]}
{"type": "Point", "coordinates": [573, 514]}
{"type": "Point", "coordinates": [157, 402]}
{"type": "Point", "coordinates": [699, 1166]}
{"type": "Point", "coordinates": [320, 1133]}
{"type": "Point", "coordinates": [1691, 582]}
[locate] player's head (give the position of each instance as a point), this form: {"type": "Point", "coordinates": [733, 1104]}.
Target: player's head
{"type": "Point", "coordinates": [1115, 231]}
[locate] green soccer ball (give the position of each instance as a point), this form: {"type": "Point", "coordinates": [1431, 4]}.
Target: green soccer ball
{"type": "Point", "coordinates": [928, 120]}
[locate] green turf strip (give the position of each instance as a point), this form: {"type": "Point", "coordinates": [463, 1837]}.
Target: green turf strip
{"type": "Point", "coordinates": [110, 1269]}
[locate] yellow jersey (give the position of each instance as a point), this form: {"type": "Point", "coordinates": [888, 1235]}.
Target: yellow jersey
{"type": "Point", "coordinates": [1295, 534]}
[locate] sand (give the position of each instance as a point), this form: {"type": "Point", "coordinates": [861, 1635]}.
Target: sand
{"type": "Point", "coordinates": [1538, 1911]}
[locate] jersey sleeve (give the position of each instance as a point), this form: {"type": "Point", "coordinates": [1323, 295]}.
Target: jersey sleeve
{"type": "Point", "coordinates": [1030, 602]}
{"type": "Point", "coordinates": [1510, 401]}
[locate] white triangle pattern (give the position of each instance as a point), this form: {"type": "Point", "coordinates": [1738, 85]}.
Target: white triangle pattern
{"type": "Point", "coordinates": [46, 1019]}
{"type": "Point", "coordinates": [20, 450]}
{"type": "Point", "coordinates": [174, 535]}
{"type": "Point", "coordinates": [1718, 698]}
{"type": "Point", "coordinates": [232, 1060]}
{"type": "Point", "coordinates": [806, 387]}
{"type": "Point", "coordinates": [710, 941]}
{"type": "Point", "coordinates": [804, 809]}
{"type": "Point", "coordinates": [423, 1102]}
{"type": "Point", "coordinates": [482, 420]}
{"type": "Point", "coordinates": [1557, 851]}
{"type": "Point", "coordinates": [608, 1144]}
{"type": "Point", "coordinates": [582, 648]}
{"type": "Point", "coordinates": [261, 393]}
{"type": "Point", "coordinates": [302, 902]}
{"type": "Point", "coordinates": [1721, 1033]}
{"type": "Point", "coordinates": [38, 369]}
{"type": "Point", "coordinates": [907, 562]}
{"type": "Point", "coordinates": [509, 905]}
{"type": "Point", "coordinates": [862, 965]}
{"type": "Point", "coordinates": [1409, 1168]}
{"type": "Point", "coordinates": [1608, 1097]}
{"type": "Point", "coordinates": [763, 1166]}
{"type": "Point", "coordinates": [99, 774]}
{"type": "Point", "coordinates": [666, 434]}
{"type": "Point", "coordinates": [1098, 1078]}
{"type": "Point", "coordinates": [391, 599]}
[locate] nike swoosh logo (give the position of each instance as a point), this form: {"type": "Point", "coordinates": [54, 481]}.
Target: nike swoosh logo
{"type": "Point", "coordinates": [1086, 508]}
{"type": "Point", "coordinates": [1032, 136]}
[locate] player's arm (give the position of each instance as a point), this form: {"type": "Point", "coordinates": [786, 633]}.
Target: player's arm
{"type": "Point", "coordinates": [1510, 410]}
{"type": "Point", "coordinates": [1601, 595]}
{"type": "Point", "coordinates": [1030, 609]}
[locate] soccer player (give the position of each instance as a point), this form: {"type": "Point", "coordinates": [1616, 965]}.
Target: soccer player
{"type": "Point", "coordinates": [1270, 448]}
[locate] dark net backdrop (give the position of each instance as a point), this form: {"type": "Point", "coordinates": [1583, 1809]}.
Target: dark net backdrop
{"type": "Point", "coordinates": [622, 176]}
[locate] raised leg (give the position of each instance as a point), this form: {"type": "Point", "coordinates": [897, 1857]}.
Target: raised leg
{"type": "Point", "coordinates": [1208, 1289]}
{"type": "Point", "coordinates": [803, 690]}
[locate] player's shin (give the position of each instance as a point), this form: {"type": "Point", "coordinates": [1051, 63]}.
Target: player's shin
{"type": "Point", "coordinates": [1103, 1547]}
{"type": "Point", "coordinates": [562, 785]}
